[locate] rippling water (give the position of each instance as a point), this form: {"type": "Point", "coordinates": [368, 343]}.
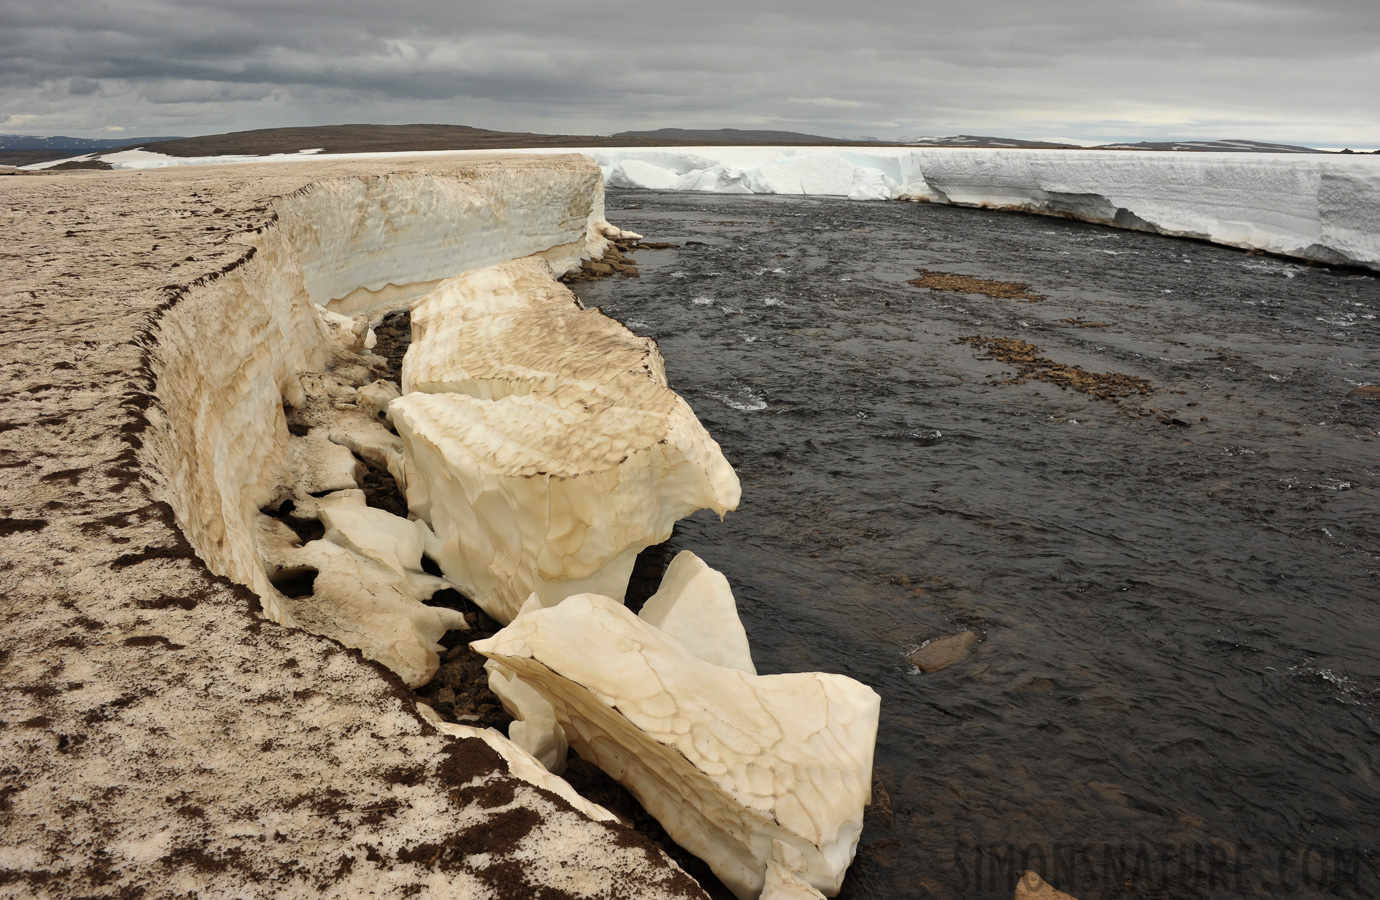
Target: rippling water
{"type": "Point", "coordinates": [1178, 691]}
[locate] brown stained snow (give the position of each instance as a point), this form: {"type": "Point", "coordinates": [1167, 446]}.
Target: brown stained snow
{"type": "Point", "coordinates": [160, 737]}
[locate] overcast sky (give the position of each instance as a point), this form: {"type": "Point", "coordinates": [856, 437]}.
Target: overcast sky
{"type": "Point", "coordinates": [1300, 71]}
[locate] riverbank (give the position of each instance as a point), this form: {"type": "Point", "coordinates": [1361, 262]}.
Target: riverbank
{"type": "Point", "coordinates": [163, 736]}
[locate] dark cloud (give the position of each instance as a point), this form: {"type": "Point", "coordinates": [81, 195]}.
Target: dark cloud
{"type": "Point", "coordinates": [1268, 69]}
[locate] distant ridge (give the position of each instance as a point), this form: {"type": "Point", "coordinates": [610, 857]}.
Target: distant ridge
{"type": "Point", "coordinates": [25, 149]}
{"type": "Point", "coordinates": [731, 136]}
{"type": "Point", "coordinates": [408, 138]}
{"type": "Point", "coordinates": [971, 140]}
{"type": "Point", "coordinates": [60, 142]}
{"type": "Point", "coordinates": [22, 150]}
{"type": "Point", "coordinates": [1222, 146]}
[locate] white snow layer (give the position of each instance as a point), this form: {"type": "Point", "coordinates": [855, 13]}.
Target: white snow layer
{"type": "Point", "coordinates": [1312, 206]}
{"type": "Point", "coordinates": [1325, 208]}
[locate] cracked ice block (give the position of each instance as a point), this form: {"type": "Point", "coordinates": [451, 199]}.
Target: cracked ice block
{"type": "Point", "coordinates": [695, 606]}
{"type": "Point", "coordinates": [555, 494]}
{"type": "Point", "coordinates": [513, 329]}
{"type": "Point", "coordinates": [728, 762]}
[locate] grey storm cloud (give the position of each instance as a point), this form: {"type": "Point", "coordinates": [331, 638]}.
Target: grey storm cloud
{"type": "Point", "coordinates": [1278, 69]}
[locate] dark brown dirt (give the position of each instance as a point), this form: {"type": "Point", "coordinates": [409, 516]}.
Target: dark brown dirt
{"type": "Point", "coordinates": [459, 691]}
{"type": "Point", "coordinates": [595, 786]}
{"type": "Point", "coordinates": [616, 261]}
{"type": "Point", "coordinates": [394, 335]}
{"type": "Point", "coordinates": [1101, 385]}
{"type": "Point", "coordinates": [966, 284]}
{"type": "Point", "coordinates": [82, 164]}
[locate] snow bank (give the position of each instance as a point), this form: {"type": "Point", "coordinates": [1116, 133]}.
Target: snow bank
{"type": "Point", "coordinates": [361, 243]}
{"type": "Point", "coordinates": [1311, 206]}
{"type": "Point", "coordinates": [1324, 208]}
{"type": "Point", "coordinates": [161, 739]}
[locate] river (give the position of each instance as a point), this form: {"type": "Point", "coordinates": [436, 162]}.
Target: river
{"type": "Point", "coordinates": [1177, 692]}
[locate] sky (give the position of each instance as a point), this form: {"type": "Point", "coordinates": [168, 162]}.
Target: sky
{"type": "Point", "coordinates": [1292, 71]}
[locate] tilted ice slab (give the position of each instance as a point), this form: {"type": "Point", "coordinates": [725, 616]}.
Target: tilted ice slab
{"type": "Point", "coordinates": [1316, 206]}
{"type": "Point", "coordinates": [729, 763]}
{"type": "Point", "coordinates": [557, 494]}
{"type": "Point", "coordinates": [695, 605]}
{"type": "Point", "coordinates": [513, 329]}
{"type": "Point", "coordinates": [541, 441]}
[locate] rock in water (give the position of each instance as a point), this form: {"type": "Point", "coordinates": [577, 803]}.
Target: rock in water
{"type": "Point", "coordinates": [1365, 392]}
{"type": "Point", "coordinates": [695, 606]}
{"type": "Point", "coordinates": [944, 652]}
{"type": "Point", "coordinates": [727, 762]}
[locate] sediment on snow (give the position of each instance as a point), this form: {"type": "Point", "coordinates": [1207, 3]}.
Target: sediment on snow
{"type": "Point", "coordinates": [167, 739]}
{"type": "Point", "coordinates": [540, 450]}
{"type": "Point", "coordinates": [220, 446]}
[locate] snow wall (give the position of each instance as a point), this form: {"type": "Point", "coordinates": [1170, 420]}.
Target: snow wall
{"type": "Point", "coordinates": [1318, 207]}
{"type": "Point", "coordinates": [361, 244]}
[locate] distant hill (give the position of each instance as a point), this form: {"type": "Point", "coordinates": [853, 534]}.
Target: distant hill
{"type": "Point", "coordinates": [972, 140]}
{"type": "Point", "coordinates": [730, 136]}
{"type": "Point", "coordinates": [412, 138]}
{"type": "Point", "coordinates": [1223, 146]}
{"type": "Point", "coordinates": [26, 149]}
{"type": "Point", "coordinates": [382, 138]}
{"type": "Point", "coordinates": [82, 145]}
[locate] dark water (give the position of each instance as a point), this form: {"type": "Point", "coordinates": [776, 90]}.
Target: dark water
{"type": "Point", "coordinates": [1178, 693]}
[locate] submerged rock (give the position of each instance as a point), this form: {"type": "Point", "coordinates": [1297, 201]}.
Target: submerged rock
{"type": "Point", "coordinates": [727, 762]}
{"type": "Point", "coordinates": [943, 652]}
